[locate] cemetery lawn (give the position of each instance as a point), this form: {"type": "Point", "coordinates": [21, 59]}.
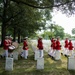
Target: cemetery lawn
{"type": "Point", "coordinates": [28, 67]}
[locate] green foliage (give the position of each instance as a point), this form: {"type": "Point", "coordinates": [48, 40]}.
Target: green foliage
{"type": "Point", "coordinates": [73, 31]}
{"type": "Point", "coordinates": [66, 6]}
{"type": "Point", "coordinates": [47, 14]}
{"type": "Point", "coordinates": [59, 31]}
{"type": "Point", "coordinates": [28, 21]}
{"type": "Point", "coordinates": [67, 35]}
{"type": "Point", "coordinates": [47, 35]}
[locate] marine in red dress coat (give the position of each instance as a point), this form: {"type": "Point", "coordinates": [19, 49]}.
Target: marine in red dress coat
{"type": "Point", "coordinates": [54, 45]}
{"type": "Point", "coordinates": [58, 46]}
{"type": "Point", "coordinates": [25, 45]}
{"type": "Point", "coordinates": [40, 44]}
{"type": "Point", "coordinates": [10, 41]}
{"type": "Point", "coordinates": [52, 40]}
{"type": "Point", "coordinates": [66, 43]}
{"type": "Point", "coordinates": [70, 45]}
{"type": "Point", "coordinates": [6, 44]}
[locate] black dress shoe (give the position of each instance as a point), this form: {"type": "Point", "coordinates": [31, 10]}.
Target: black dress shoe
{"type": "Point", "coordinates": [66, 55]}
{"type": "Point", "coordinates": [49, 55]}
{"type": "Point", "coordinates": [1, 56]}
{"type": "Point", "coordinates": [21, 56]}
{"type": "Point", "coordinates": [61, 53]}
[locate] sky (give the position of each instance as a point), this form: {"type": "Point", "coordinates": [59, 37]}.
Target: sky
{"type": "Point", "coordinates": [68, 23]}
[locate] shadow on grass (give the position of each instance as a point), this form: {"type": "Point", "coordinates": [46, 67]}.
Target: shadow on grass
{"type": "Point", "coordinates": [72, 72]}
{"type": "Point", "coordinates": [5, 73]}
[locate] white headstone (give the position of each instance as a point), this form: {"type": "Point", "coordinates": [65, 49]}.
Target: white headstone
{"type": "Point", "coordinates": [57, 55]}
{"type": "Point", "coordinates": [73, 55]}
{"type": "Point", "coordinates": [71, 63]}
{"type": "Point", "coordinates": [40, 63]}
{"type": "Point", "coordinates": [15, 55]}
{"type": "Point", "coordinates": [33, 48]}
{"type": "Point", "coordinates": [36, 55]}
{"type": "Point", "coordinates": [9, 64]}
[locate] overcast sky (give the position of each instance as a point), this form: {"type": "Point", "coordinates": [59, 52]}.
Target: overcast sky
{"type": "Point", "coordinates": [68, 23]}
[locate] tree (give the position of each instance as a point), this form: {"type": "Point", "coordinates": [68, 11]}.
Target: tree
{"type": "Point", "coordinates": [73, 31]}
{"type": "Point", "coordinates": [6, 17]}
{"type": "Point", "coordinates": [59, 31]}
{"type": "Point", "coordinates": [66, 6]}
{"type": "Point", "coordinates": [47, 35]}
{"type": "Point", "coordinates": [6, 14]}
{"type": "Point", "coordinates": [27, 22]}
{"type": "Point", "coordinates": [67, 35]}
{"type": "Point", "coordinates": [17, 18]}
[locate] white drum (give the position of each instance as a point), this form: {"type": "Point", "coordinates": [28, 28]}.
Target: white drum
{"type": "Point", "coordinates": [11, 48]}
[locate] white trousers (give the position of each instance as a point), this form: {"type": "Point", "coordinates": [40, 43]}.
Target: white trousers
{"type": "Point", "coordinates": [50, 52]}
{"type": "Point", "coordinates": [41, 53]}
{"type": "Point", "coordinates": [53, 53]}
{"type": "Point", "coordinates": [5, 53]}
{"type": "Point", "coordinates": [70, 52]}
{"type": "Point", "coordinates": [25, 54]}
{"type": "Point", "coordinates": [65, 51]}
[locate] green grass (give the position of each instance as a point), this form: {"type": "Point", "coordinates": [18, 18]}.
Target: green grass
{"type": "Point", "coordinates": [28, 67]}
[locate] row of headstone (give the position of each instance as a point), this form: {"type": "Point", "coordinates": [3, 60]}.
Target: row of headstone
{"type": "Point", "coordinates": [40, 61]}
{"type": "Point", "coordinates": [9, 61]}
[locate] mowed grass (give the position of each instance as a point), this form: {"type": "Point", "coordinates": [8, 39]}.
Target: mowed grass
{"type": "Point", "coordinates": [28, 67]}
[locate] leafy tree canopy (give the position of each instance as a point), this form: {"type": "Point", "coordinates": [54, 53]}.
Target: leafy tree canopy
{"type": "Point", "coordinates": [66, 6]}
{"type": "Point", "coordinates": [73, 31]}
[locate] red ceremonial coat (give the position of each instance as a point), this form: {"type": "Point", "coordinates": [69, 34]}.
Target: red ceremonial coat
{"type": "Point", "coordinates": [10, 42]}
{"type": "Point", "coordinates": [6, 44]}
{"type": "Point", "coordinates": [54, 45]}
{"type": "Point", "coordinates": [66, 43]}
{"type": "Point", "coordinates": [70, 46]}
{"type": "Point", "coordinates": [40, 44]}
{"type": "Point", "coordinates": [25, 45]}
{"type": "Point", "coordinates": [58, 46]}
{"type": "Point", "coordinates": [52, 40]}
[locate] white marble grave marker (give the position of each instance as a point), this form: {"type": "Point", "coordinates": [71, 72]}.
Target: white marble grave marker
{"type": "Point", "coordinates": [15, 55]}
{"type": "Point", "coordinates": [71, 63]}
{"type": "Point", "coordinates": [57, 55]}
{"type": "Point", "coordinates": [36, 55]}
{"type": "Point", "coordinates": [9, 64]}
{"type": "Point", "coordinates": [33, 48]}
{"type": "Point", "coordinates": [40, 63]}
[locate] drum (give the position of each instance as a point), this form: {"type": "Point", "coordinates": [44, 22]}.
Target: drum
{"type": "Point", "coordinates": [13, 47]}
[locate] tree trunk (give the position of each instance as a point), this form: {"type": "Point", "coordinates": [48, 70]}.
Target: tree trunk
{"type": "Point", "coordinates": [19, 38]}
{"type": "Point", "coordinates": [14, 35]}
{"type": "Point", "coordinates": [3, 31]}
